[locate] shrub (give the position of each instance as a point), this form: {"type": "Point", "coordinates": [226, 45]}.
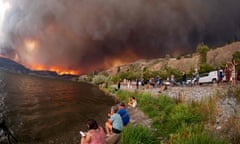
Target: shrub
{"type": "Point", "coordinates": [195, 134]}
{"type": "Point", "coordinates": [233, 129]}
{"type": "Point", "coordinates": [115, 78]}
{"type": "Point", "coordinates": [173, 71]}
{"type": "Point", "coordinates": [202, 49]}
{"type": "Point", "coordinates": [137, 135]}
{"type": "Point", "coordinates": [206, 68]}
{"type": "Point", "coordinates": [207, 109]}
{"type": "Point", "coordinates": [238, 94]}
{"type": "Point", "coordinates": [99, 79]}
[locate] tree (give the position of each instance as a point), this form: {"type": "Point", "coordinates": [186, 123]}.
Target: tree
{"type": "Point", "coordinates": [202, 49]}
{"type": "Point", "coordinates": [99, 79]}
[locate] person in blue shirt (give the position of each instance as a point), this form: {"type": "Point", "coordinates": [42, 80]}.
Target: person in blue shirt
{"type": "Point", "coordinates": [123, 113]}
{"type": "Point", "coordinates": [114, 123]}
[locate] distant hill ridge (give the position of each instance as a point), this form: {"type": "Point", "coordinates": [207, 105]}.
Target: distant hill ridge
{"type": "Point", "coordinates": [215, 56]}
{"type": "Point", "coordinates": [14, 67]}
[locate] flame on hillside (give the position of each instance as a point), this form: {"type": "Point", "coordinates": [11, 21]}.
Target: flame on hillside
{"type": "Point", "coordinates": [58, 70]}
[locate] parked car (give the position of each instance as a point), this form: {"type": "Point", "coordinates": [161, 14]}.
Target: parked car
{"type": "Point", "coordinates": [211, 77]}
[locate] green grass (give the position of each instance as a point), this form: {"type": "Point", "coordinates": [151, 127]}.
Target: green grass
{"type": "Point", "coordinates": [237, 91]}
{"type": "Point", "coordinates": [195, 134]}
{"type": "Point", "coordinates": [137, 135]}
{"type": "Point", "coordinates": [173, 122]}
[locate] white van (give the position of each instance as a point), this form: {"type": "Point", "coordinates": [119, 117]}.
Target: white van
{"type": "Point", "coordinates": [211, 77]}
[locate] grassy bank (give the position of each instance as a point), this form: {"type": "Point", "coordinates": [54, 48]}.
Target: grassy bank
{"type": "Point", "coordinates": [173, 121]}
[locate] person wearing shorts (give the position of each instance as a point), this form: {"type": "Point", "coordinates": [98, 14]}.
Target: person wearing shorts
{"type": "Point", "coordinates": [114, 123]}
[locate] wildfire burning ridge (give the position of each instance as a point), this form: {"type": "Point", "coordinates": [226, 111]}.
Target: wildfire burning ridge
{"type": "Point", "coordinates": [83, 36]}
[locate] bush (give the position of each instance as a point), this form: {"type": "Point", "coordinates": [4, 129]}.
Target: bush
{"type": "Point", "coordinates": [116, 78]}
{"type": "Point", "coordinates": [137, 135]}
{"type": "Point", "coordinates": [99, 79]}
{"type": "Point", "coordinates": [202, 49]}
{"type": "Point", "coordinates": [150, 74]}
{"type": "Point", "coordinates": [195, 134]}
{"type": "Point", "coordinates": [204, 68]}
{"type": "Point", "coordinates": [173, 71]}
{"type": "Point", "coordinates": [238, 94]}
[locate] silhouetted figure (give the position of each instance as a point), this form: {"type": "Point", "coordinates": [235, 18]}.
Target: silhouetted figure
{"type": "Point", "coordinates": [119, 85]}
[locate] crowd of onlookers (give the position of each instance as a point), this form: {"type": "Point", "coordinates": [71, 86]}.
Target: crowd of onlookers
{"type": "Point", "coordinates": [118, 118]}
{"type": "Point", "coordinates": [227, 74]}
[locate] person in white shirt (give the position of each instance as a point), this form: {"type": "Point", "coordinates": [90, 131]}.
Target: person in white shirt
{"type": "Point", "coordinates": [132, 102]}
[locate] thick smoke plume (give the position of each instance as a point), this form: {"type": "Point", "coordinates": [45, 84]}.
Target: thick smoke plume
{"type": "Point", "coordinates": [94, 34]}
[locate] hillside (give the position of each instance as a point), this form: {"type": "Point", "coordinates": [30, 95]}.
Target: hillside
{"type": "Point", "coordinates": [215, 56]}
{"type": "Point", "coordinates": [12, 66]}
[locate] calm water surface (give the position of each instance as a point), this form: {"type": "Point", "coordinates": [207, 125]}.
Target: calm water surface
{"type": "Point", "coordinates": [42, 111]}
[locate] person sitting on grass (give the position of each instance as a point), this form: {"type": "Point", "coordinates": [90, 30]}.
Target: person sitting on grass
{"type": "Point", "coordinates": [114, 123]}
{"type": "Point", "coordinates": [162, 88]}
{"type": "Point", "coordinates": [123, 113]}
{"type": "Point", "coordinates": [132, 102]}
{"type": "Point", "coordinates": [95, 134]}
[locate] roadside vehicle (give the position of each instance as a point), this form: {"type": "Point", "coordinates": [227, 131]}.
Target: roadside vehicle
{"type": "Point", "coordinates": [211, 77]}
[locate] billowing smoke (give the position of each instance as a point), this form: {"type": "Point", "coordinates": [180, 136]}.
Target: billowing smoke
{"type": "Point", "coordinates": [93, 34]}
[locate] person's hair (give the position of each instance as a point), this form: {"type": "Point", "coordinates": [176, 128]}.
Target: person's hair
{"type": "Point", "coordinates": [92, 124]}
{"type": "Point", "coordinates": [122, 104]}
{"type": "Point", "coordinates": [133, 97]}
{"type": "Point", "coordinates": [114, 109]}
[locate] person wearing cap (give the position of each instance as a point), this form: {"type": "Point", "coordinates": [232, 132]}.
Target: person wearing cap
{"type": "Point", "coordinates": [123, 113]}
{"type": "Point", "coordinates": [114, 123]}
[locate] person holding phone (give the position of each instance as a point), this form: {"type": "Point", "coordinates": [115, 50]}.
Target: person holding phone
{"type": "Point", "coordinates": [95, 134]}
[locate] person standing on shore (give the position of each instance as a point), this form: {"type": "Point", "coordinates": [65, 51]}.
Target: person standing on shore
{"type": "Point", "coordinates": [227, 72]}
{"type": "Point", "coordinates": [196, 74]}
{"type": "Point", "coordinates": [220, 76]}
{"type": "Point", "coordinates": [234, 72]}
{"type": "Point", "coordinates": [119, 85]}
{"type": "Point", "coordinates": [184, 78]}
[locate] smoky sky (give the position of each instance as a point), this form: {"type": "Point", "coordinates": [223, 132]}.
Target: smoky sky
{"type": "Point", "coordinates": [88, 35]}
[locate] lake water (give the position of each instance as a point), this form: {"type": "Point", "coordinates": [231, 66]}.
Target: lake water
{"type": "Point", "coordinates": [49, 111]}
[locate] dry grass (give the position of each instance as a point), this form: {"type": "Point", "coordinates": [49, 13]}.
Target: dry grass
{"type": "Point", "coordinates": [208, 109]}
{"type": "Point", "coordinates": [232, 129]}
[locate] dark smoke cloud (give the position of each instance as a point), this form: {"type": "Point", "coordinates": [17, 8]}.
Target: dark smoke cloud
{"type": "Point", "coordinates": [87, 34]}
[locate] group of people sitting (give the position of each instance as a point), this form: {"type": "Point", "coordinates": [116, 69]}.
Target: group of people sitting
{"type": "Point", "coordinates": [117, 119]}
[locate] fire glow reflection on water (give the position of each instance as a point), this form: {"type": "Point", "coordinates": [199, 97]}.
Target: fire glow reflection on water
{"type": "Point", "coordinates": [41, 110]}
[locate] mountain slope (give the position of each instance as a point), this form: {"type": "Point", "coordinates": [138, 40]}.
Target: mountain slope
{"type": "Point", "coordinates": [12, 66]}
{"type": "Point", "coordinates": [215, 56]}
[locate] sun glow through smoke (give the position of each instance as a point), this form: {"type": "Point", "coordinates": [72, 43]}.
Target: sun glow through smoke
{"type": "Point", "coordinates": [30, 45]}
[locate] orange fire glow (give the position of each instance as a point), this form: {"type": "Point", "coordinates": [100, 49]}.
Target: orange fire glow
{"type": "Point", "coordinates": [122, 59]}
{"type": "Point", "coordinates": [58, 70]}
